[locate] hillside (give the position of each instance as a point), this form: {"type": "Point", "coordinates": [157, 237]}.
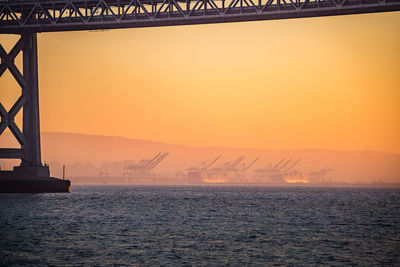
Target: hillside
{"type": "Point", "coordinates": [350, 166]}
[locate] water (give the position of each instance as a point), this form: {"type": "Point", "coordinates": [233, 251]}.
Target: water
{"type": "Point", "coordinates": [181, 225]}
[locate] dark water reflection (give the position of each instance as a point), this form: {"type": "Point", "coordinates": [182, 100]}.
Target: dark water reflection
{"type": "Point", "coordinates": [149, 225]}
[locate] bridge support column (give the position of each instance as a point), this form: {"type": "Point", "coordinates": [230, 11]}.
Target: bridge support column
{"type": "Point", "coordinates": [31, 175]}
{"type": "Point", "coordinates": [31, 123]}
{"type": "Point", "coordinates": [29, 138]}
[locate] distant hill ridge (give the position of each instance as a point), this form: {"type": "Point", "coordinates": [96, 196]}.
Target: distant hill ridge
{"type": "Point", "coordinates": [210, 147]}
{"type": "Point", "coordinates": [74, 147]}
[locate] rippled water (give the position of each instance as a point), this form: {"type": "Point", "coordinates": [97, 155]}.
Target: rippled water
{"type": "Point", "coordinates": [180, 225]}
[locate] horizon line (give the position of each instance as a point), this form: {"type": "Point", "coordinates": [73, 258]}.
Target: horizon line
{"type": "Point", "coordinates": [222, 147]}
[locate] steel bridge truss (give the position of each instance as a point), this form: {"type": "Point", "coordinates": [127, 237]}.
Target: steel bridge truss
{"type": "Point", "coordinates": [67, 15]}
{"type": "Point", "coordinates": [29, 137]}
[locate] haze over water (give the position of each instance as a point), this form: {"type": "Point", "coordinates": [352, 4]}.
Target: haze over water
{"type": "Point", "coordinates": [181, 225]}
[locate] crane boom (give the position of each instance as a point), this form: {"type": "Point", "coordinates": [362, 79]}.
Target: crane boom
{"type": "Point", "coordinates": [284, 165]}
{"type": "Point", "coordinates": [235, 163]}
{"type": "Point", "coordinates": [279, 163]}
{"type": "Point", "coordinates": [148, 163]}
{"type": "Point", "coordinates": [294, 164]}
{"type": "Point", "coordinates": [251, 164]}
{"type": "Point", "coordinates": [163, 156]}
{"type": "Point", "coordinates": [212, 162]}
{"type": "Point", "coordinates": [155, 163]}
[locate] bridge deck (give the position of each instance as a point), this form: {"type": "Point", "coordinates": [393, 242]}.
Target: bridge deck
{"type": "Point", "coordinates": [68, 15]}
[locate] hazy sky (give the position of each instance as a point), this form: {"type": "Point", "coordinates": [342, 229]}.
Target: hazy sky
{"type": "Point", "coordinates": [330, 82]}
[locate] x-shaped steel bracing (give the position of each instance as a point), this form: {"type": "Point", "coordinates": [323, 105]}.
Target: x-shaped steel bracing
{"type": "Point", "coordinates": [7, 118]}
{"type": "Point", "coordinates": [29, 137]}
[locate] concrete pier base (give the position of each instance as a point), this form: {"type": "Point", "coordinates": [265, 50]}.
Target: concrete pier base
{"type": "Point", "coordinates": [32, 180]}
{"type": "Point", "coordinates": [35, 185]}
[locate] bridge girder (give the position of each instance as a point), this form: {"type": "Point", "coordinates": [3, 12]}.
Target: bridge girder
{"type": "Point", "coordinates": [68, 15]}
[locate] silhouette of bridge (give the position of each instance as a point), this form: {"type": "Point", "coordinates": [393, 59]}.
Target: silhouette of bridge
{"type": "Point", "coordinates": [67, 15]}
{"type": "Point", "coordinates": [27, 17]}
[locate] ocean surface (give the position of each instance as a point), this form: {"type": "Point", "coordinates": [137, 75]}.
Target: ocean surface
{"type": "Point", "coordinates": [202, 226]}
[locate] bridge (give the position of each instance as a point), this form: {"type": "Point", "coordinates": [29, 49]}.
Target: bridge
{"type": "Point", "coordinates": [27, 18]}
{"type": "Point", "coordinates": [17, 16]}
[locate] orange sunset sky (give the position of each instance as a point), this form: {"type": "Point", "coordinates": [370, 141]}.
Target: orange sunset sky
{"type": "Point", "coordinates": [329, 82]}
